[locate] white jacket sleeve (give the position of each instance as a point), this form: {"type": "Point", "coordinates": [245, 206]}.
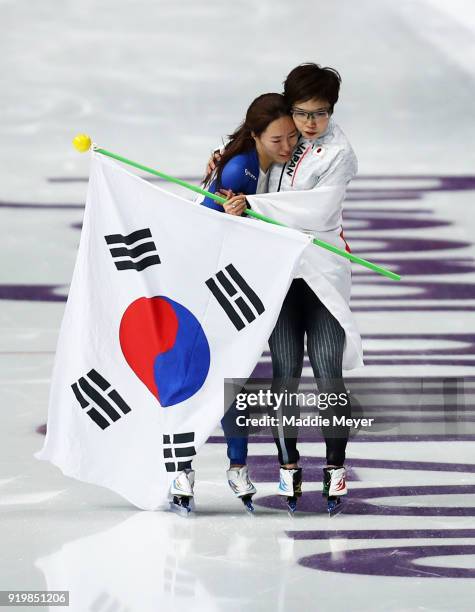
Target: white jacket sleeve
{"type": "Point", "coordinates": [341, 171]}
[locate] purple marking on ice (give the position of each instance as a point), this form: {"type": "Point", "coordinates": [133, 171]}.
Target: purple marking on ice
{"type": "Point", "coordinates": [380, 211]}
{"type": "Point", "coordinates": [317, 437]}
{"type": "Point", "coordinates": [262, 465]}
{"type": "Point", "coordinates": [376, 411]}
{"type": "Point", "coordinates": [426, 291]}
{"type": "Point", "coordinates": [441, 408]}
{"type": "Point", "coordinates": [414, 382]}
{"type": "Point", "coordinates": [392, 561]}
{"type": "Point", "coordinates": [415, 418]}
{"type": "Point", "coordinates": [445, 182]}
{"type": "Point", "coordinates": [438, 408]}
{"type": "Point", "coordinates": [468, 339]}
{"type": "Point", "coordinates": [415, 267]}
{"type": "Point", "coordinates": [378, 534]}
{"type": "Point", "coordinates": [404, 361]}
{"type": "Point", "coordinates": [383, 196]}
{"type": "Point", "coordinates": [264, 370]}
{"type": "Point", "coordinates": [40, 206]}
{"type": "Point", "coordinates": [401, 307]}
{"type": "Point", "coordinates": [355, 504]}
{"type": "Point", "coordinates": [402, 245]}
{"type": "Point", "coordinates": [396, 221]}
{"type": "Point", "coordinates": [32, 293]}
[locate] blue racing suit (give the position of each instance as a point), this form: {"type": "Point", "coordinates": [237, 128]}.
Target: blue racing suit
{"type": "Point", "coordinates": [240, 174]}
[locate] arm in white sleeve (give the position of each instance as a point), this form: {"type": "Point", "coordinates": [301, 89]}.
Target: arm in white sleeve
{"type": "Point", "coordinates": [341, 171]}
{"type": "Point", "coordinates": [315, 210]}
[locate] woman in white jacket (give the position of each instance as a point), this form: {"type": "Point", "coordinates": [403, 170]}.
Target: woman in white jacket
{"type": "Point", "coordinates": [307, 193]}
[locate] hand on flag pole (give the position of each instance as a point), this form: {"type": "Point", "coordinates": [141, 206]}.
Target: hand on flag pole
{"type": "Point", "coordinates": [235, 204]}
{"type": "Point", "coordinates": [82, 143]}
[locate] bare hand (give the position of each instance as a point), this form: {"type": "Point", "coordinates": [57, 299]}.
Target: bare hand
{"type": "Point", "coordinates": [235, 205]}
{"type": "Point", "coordinates": [226, 193]}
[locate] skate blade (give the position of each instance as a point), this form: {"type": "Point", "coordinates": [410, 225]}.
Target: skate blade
{"type": "Point", "coordinates": [334, 507]}
{"type": "Point", "coordinates": [291, 506]}
{"type": "Point", "coordinates": [181, 508]}
{"type": "Point", "coordinates": [248, 505]}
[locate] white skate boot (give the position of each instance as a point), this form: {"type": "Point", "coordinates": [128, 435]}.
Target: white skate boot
{"type": "Point", "coordinates": [241, 485]}
{"type": "Point", "coordinates": [181, 491]}
{"type": "Point", "coordinates": [290, 485]}
{"type": "Point", "coordinates": [334, 486]}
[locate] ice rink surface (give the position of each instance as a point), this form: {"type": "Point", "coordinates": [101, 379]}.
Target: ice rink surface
{"type": "Point", "coordinates": [162, 83]}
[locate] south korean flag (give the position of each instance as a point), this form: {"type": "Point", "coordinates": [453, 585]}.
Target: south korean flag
{"type": "Point", "coordinates": [168, 299]}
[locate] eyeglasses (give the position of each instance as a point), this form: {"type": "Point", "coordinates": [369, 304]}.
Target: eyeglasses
{"type": "Point", "coordinates": [318, 115]}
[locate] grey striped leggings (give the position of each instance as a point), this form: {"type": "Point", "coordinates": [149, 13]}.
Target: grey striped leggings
{"type": "Point", "coordinates": [304, 314]}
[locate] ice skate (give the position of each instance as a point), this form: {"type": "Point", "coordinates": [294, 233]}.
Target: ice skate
{"type": "Point", "coordinates": [241, 485]}
{"type": "Point", "coordinates": [290, 486]}
{"type": "Point", "coordinates": [181, 492]}
{"type": "Point", "coordinates": [334, 486]}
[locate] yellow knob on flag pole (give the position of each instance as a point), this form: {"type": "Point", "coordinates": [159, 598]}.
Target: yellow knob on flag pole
{"type": "Point", "coordinates": [82, 143]}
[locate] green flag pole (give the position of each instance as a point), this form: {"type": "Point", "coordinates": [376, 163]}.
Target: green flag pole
{"type": "Point", "coordinates": [83, 143]}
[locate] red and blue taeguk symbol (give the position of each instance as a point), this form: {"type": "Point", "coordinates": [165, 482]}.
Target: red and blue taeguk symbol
{"type": "Point", "coordinates": [166, 347]}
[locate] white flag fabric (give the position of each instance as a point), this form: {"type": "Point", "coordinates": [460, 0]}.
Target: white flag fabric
{"type": "Point", "coordinates": [167, 300]}
{"type": "Point", "coordinates": [317, 212]}
{"type": "Point", "coordinates": [146, 563]}
{"type": "Point", "coordinates": [313, 210]}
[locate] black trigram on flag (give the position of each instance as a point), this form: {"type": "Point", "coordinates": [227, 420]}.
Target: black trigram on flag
{"type": "Point", "coordinates": [230, 289]}
{"type": "Point", "coordinates": [103, 403]}
{"type": "Point", "coordinates": [178, 453]}
{"type": "Point", "coordinates": [132, 258]}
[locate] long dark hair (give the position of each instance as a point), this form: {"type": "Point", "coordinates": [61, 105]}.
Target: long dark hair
{"type": "Point", "coordinates": [262, 111]}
